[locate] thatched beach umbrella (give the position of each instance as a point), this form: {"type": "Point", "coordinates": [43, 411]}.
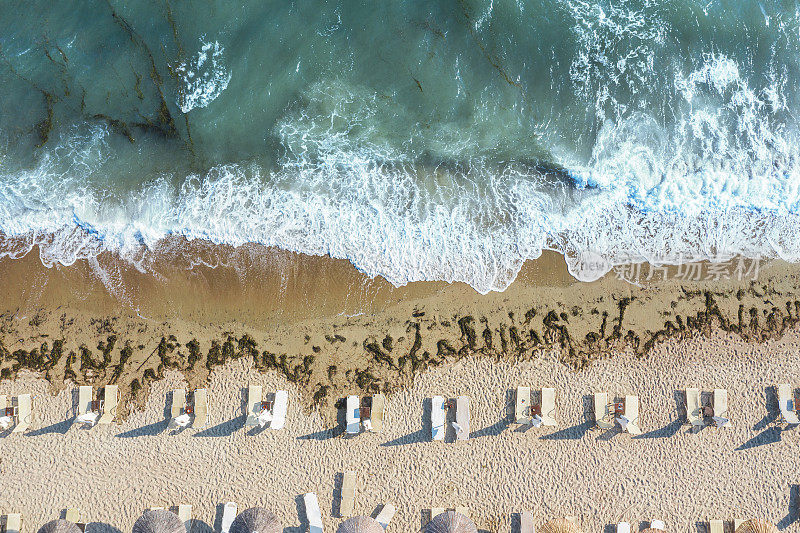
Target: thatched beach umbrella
{"type": "Point", "coordinates": [451, 522]}
{"type": "Point", "coordinates": [560, 525]}
{"type": "Point", "coordinates": [360, 524]}
{"type": "Point", "coordinates": [159, 521]}
{"type": "Point", "coordinates": [59, 526]}
{"type": "Point", "coordinates": [757, 526]}
{"type": "Point", "coordinates": [256, 520]}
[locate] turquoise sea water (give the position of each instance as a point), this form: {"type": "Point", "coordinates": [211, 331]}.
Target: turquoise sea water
{"type": "Point", "coordinates": [444, 140]}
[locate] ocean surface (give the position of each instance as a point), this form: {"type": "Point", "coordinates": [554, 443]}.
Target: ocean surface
{"type": "Point", "coordinates": [419, 140]}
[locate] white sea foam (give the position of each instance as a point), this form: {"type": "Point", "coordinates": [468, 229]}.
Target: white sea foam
{"type": "Point", "coordinates": [723, 179]}
{"type": "Point", "coordinates": [204, 77]}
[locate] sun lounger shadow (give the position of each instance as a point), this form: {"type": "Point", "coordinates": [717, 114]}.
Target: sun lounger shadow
{"type": "Point", "coordinates": [794, 508]}
{"type": "Point", "coordinates": [493, 430]}
{"type": "Point", "coordinates": [149, 430]}
{"type": "Point", "coordinates": [218, 512]}
{"type": "Point", "coordinates": [667, 431]}
{"type": "Point", "coordinates": [225, 429]}
{"type": "Point", "coordinates": [325, 434]}
{"type": "Point", "coordinates": [59, 427]}
{"type": "Point", "coordinates": [338, 481]}
{"type": "Point", "coordinates": [575, 432]}
{"type": "Point", "coordinates": [769, 436]}
{"type": "Point", "coordinates": [773, 409]}
{"type": "Point", "coordinates": [101, 527]}
{"type": "Point", "coordinates": [300, 505]}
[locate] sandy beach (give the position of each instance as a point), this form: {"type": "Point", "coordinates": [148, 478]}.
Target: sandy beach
{"type": "Point", "coordinates": [321, 330]}
{"type": "Point", "coordinates": [669, 473]}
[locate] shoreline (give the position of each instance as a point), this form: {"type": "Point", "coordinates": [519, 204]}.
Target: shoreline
{"type": "Point", "coordinates": [331, 330]}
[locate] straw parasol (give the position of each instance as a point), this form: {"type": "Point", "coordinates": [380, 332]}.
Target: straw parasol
{"type": "Point", "coordinates": [159, 521]}
{"type": "Point", "coordinates": [59, 526]}
{"type": "Point", "coordinates": [256, 520]}
{"type": "Point", "coordinates": [360, 524]}
{"type": "Point", "coordinates": [451, 522]}
{"type": "Point", "coordinates": [560, 525]}
{"type": "Point", "coordinates": [757, 526]}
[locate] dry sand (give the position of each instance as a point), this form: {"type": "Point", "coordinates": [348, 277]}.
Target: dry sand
{"type": "Point", "coordinates": [747, 470]}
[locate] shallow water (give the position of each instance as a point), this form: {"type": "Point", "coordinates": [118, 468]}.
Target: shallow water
{"type": "Point", "coordinates": [441, 141]}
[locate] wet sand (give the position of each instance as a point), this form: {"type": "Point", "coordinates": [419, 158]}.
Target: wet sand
{"type": "Point", "coordinates": [330, 330]}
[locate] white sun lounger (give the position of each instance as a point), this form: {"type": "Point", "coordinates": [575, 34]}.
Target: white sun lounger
{"type": "Point", "coordinates": [185, 514]}
{"type": "Point", "coordinates": [73, 515]}
{"type": "Point", "coordinates": [693, 407]}
{"type": "Point", "coordinates": [111, 402]}
{"type": "Point", "coordinates": [522, 413]}
{"type": "Point", "coordinates": [13, 522]}
{"type": "Point", "coordinates": [437, 418]}
{"type": "Point", "coordinates": [549, 407]}
{"type": "Point", "coordinates": [376, 413]}
{"type": "Point", "coordinates": [721, 407]}
{"type": "Point", "coordinates": [602, 415]}
{"type": "Point", "coordinates": [462, 417]}
{"type": "Point", "coordinates": [436, 511]}
{"type": "Point", "coordinates": [658, 524]}
{"type": "Point", "coordinates": [200, 408]}
{"type": "Point", "coordinates": [3, 406]}
{"type": "Point", "coordinates": [737, 522]}
{"type": "Point", "coordinates": [716, 526]}
{"type": "Point", "coordinates": [24, 413]}
{"type": "Point", "coordinates": [786, 404]}
{"type": "Point", "coordinates": [526, 522]}
{"type": "Point", "coordinates": [348, 494]}
{"type": "Point", "coordinates": [352, 415]}
{"type": "Point", "coordinates": [254, 399]}
{"type": "Point", "coordinates": [84, 399]}
{"type": "Point", "coordinates": [623, 527]}
{"type": "Point", "coordinates": [279, 407]}
{"type": "Point", "coordinates": [228, 516]}
{"type": "Point", "coordinates": [462, 510]}
{"type": "Point", "coordinates": [386, 515]}
{"type": "Point", "coordinates": [312, 513]}
{"type": "Point", "coordinates": [178, 403]}
{"type": "Point", "coordinates": [632, 414]}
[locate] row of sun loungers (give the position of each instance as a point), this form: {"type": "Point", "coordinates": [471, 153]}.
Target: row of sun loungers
{"type": "Point", "coordinates": [368, 413]}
